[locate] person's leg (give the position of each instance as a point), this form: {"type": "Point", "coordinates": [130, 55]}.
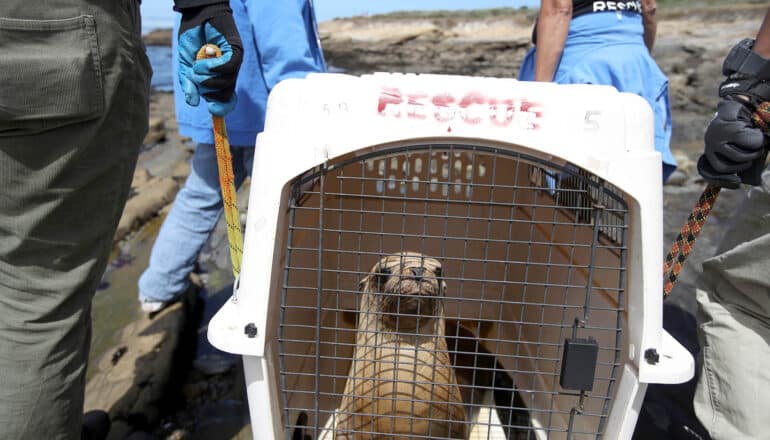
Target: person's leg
{"type": "Point", "coordinates": [193, 216]}
{"type": "Point", "coordinates": [243, 162]}
{"type": "Point", "coordinates": [732, 399]}
{"type": "Point", "coordinates": [67, 156]}
{"type": "Point", "coordinates": [189, 223]}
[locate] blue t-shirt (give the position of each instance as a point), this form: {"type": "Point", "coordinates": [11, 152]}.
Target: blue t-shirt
{"type": "Point", "coordinates": [608, 48]}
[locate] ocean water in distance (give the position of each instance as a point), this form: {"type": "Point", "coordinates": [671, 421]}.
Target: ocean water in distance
{"type": "Point", "coordinates": [160, 59]}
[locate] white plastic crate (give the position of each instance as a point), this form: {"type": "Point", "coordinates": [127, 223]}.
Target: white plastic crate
{"type": "Point", "coordinates": [541, 202]}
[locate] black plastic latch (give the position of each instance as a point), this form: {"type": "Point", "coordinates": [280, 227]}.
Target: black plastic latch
{"type": "Point", "coordinates": [578, 364]}
{"type": "Point", "coordinates": [651, 356]}
{"type": "Point", "coordinates": [250, 330]}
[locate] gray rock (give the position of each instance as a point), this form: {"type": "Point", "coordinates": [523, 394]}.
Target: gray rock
{"type": "Point", "coordinates": [136, 384]}
{"type": "Point", "coordinates": [154, 195]}
{"type": "Point", "coordinates": [156, 132]}
{"type": "Point", "coordinates": [158, 37]}
{"type": "Point", "coordinates": [677, 178]}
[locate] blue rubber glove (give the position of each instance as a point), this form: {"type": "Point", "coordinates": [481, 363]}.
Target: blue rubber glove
{"type": "Point", "coordinates": [213, 78]}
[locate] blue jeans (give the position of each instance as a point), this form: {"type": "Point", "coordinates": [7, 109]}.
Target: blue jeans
{"type": "Point", "coordinates": [195, 213]}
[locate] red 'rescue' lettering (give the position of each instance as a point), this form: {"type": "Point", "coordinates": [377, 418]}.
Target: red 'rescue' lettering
{"type": "Point", "coordinates": [471, 108]}
{"type": "Point", "coordinates": [441, 104]}
{"type": "Point", "coordinates": [389, 96]}
{"type": "Point", "coordinates": [533, 109]}
{"type": "Point", "coordinates": [469, 102]}
{"type": "Point", "coordinates": [416, 105]}
{"type": "Point", "coordinates": [501, 112]}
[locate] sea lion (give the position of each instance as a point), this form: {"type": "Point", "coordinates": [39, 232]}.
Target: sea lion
{"type": "Point", "coordinates": [401, 384]}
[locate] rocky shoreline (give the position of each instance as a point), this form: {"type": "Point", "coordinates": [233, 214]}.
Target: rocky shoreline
{"type": "Point", "coordinates": [148, 378]}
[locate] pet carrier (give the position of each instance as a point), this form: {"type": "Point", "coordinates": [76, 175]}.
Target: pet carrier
{"type": "Point", "coordinates": [433, 256]}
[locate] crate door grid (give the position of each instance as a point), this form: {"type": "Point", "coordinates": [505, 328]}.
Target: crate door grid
{"type": "Point", "coordinates": [531, 254]}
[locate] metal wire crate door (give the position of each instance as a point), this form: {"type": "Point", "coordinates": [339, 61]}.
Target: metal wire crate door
{"type": "Point", "coordinates": [533, 257]}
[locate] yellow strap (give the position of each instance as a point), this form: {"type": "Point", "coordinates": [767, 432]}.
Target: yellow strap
{"type": "Point", "coordinates": [226, 179]}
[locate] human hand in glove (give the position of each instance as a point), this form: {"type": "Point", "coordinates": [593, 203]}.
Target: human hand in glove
{"type": "Point", "coordinates": [736, 145]}
{"type": "Point", "coordinates": [214, 78]}
{"type": "Point", "coordinates": [736, 140]}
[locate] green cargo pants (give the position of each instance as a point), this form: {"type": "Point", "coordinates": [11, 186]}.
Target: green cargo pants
{"type": "Point", "coordinates": [732, 398]}
{"type": "Point", "coordinates": [74, 97]}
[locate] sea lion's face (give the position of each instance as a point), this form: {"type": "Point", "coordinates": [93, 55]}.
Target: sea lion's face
{"type": "Point", "coordinates": [406, 290]}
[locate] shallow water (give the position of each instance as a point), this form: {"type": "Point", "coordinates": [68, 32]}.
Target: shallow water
{"type": "Point", "coordinates": [115, 304]}
{"type": "Point", "coordinates": [160, 59]}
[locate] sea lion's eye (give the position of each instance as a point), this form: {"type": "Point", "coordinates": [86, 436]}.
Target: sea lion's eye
{"type": "Point", "coordinates": [383, 272]}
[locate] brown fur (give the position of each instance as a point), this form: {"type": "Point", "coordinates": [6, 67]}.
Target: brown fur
{"type": "Point", "coordinates": [401, 384]}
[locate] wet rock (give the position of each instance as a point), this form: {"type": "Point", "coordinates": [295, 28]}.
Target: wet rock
{"type": "Point", "coordinates": [688, 130]}
{"type": "Point", "coordinates": [677, 178]}
{"type": "Point", "coordinates": [131, 389]}
{"type": "Point", "coordinates": [139, 435]}
{"type": "Point", "coordinates": [181, 171]}
{"type": "Point", "coordinates": [420, 55]}
{"type": "Point", "coordinates": [156, 132]}
{"type": "Point", "coordinates": [191, 391]}
{"type": "Point", "coordinates": [484, 45]}
{"type": "Point", "coordinates": [118, 354]}
{"type": "Point", "coordinates": [158, 37]}
{"type": "Point", "coordinates": [178, 434]}
{"type": "Point", "coordinates": [685, 163]}
{"type": "Point", "coordinates": [141, 177]}
{"type": "Point", "coordinates": [213, 364]}
{"type": "Point", "coordinates": [222, 419]}
{"type": "Point", "coordinates": [157, 193]}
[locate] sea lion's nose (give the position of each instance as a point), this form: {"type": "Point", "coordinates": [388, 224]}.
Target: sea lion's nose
{"type": "Point", "coordinates": [418, 272]}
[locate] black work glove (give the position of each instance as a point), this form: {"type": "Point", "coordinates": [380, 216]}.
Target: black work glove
{"type": "Point", "coordinates": [214, 78]}
{"type": "Point", "coordinates": [736, 142]}
{"type": "Point", "coordinates": [736, 147]}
